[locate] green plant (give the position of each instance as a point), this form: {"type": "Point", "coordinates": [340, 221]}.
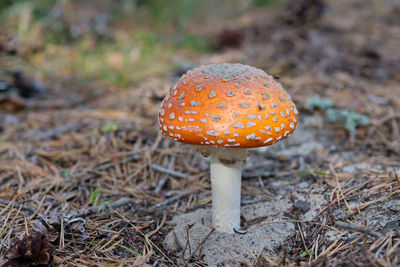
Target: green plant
{"type": "Point", "coordinates": [350, 120]}
{"type": "Point", "coordinates": [109, 127]}
{"type": "Point", "coordinates": [130, 250]}
{"type": "Point", "coordinates": [318, 103]}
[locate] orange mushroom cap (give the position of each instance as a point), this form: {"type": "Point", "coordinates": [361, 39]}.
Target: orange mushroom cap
{"type": "Point", "coordinates": [227, 105]}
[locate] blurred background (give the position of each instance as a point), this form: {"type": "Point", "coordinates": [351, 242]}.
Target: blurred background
{"type": "Point", "coordinates": [81, 83]}
{"type": "Point", "coordinates": [72, 52]}
{"type": "Point", "coordinates": [115, 42]}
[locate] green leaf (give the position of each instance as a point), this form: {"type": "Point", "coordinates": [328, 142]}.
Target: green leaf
{"type": "Point", "coordinates": [94, 195]}
{"type": "Point", "coordinates": [321, 172]}
{"type": "Point", "coordinates": [110, 127]}
{"type": "Point", "coordinates": [130, 250]}
{"type": "Point", "coordinates": [304, 254]}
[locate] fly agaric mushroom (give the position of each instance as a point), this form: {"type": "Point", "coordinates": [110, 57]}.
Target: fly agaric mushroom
{"type": "Point", "coordinates": [223, 109]}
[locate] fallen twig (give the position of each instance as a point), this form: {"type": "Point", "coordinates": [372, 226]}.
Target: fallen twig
{"type": "Point", "coordinates": [135, 158]}
{"type": "Point", "coordinates": [164, 179]}
{"type": "Point", "coordinates": [88, 211]}
{"type": "Point", "coordinates": [112, 164]}
{"type": "Point", "coordinates": [168, 171]}
{"type": "Point", "coordinates": [167, 201]}
{"type": "Point", "coordinates": [18, 205]}
{"type": "Point", "coordinates": [359, 228]}
{"type": "Point", "coordinates": [56, 131]}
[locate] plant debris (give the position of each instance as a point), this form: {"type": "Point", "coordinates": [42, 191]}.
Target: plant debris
{"type": "Point", "coordinates": [390, 226]}
{"type": "Point", "coordinates": [31, 250]}
{"type": "Point", "coordinates": [51, 227]}
{"type": "Point", "coordinates": [85, 171]}
{"type": "Point", "coordinates": [301, 12]}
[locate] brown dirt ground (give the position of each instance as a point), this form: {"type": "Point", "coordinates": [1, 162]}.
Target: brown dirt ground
{"type": "Point", "coordinates": [56, 151]}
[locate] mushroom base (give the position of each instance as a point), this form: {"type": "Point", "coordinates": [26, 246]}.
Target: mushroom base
{"type": "Point", "coordinates": [226, 183]}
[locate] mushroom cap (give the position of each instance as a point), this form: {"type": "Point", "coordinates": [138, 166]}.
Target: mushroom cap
{"type": "Point", "coordinates": [227, 105]}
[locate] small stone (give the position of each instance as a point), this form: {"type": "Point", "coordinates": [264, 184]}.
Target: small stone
{"type": "Point", "coordinates": [302, 205]}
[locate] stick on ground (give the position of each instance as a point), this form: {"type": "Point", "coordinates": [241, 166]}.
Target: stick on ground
{"type": "Point", "coordinates": [359, 228]}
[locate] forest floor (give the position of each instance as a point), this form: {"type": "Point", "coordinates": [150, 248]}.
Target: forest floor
{"type": "Point", "coordinates": [85, 166]}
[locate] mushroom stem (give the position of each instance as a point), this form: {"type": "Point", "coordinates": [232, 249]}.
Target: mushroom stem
{"type": "Point", "coordinates": [225, 183]}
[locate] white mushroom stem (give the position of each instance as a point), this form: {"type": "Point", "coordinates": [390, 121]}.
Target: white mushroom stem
{"type": "Point", "coordinates": [225, 185]}
{"type": "Point", "coordinates": [226, 176]}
